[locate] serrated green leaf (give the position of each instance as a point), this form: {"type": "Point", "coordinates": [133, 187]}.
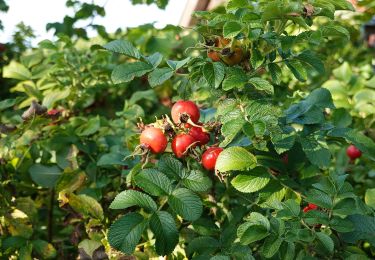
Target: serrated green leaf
{"type": "Point", "coordinates": [256, 58]}
{"type": "Point", "coordinates": [252, 181]}
{"type": "Point", "coordinates": [186, 204]}
{"type": "Point", "coordinates": [231, 29]}
{"type": "Point", "coordinates": [159, 76]}
{"type": "Point", "coordinates": [297, 69]}
{"type": "Point", "coordinates": [249, 233]}
{"type": "Point", "coordinates": [130, 198]}
{"type": "Point", "coordinates": [123, 47]}
{"type": "Point", "coordinates": [310, 58]}
{"type": "Point", "coordinates": [128, 71]}
{"type": "Point", "coordinates": [202, 245]}
{"type": "Point", "coordinates": [154, 59]}
{"type": "Point", "coordinates": [341, 225]}
{"type": "Point", "coordinates": [153, 182]}
{"type": "Point", "coordinates": [326, 241]}
{"type": "Point", "coordinates": [316, 151]}
{"type": "Point", "coordinates": [175, 65]}
{"type": "Point", "coordinates": [262, 85]}
{"type": "Point", "coordinates": [364, 229]}
{"type": "Point", "coordinates": [197, 181]}
{"type": "Point", "coordinates": [319, 198]}
{"type": "Point", "coordinates": [126, 232]}
{"type": "Point", "coordinates": [234, 79]}
{"type": "Point", "coordinates": [271, 246]}
{"type": "Point", "coordinates": [275, 72]}
{"type": "Point", "coordinates": [235, 159]}
{"type": "Point", "coordinates": [164, 228]}
{"type": "Point", "coordinates": [171, 167]}
{"type": "Point", "coordinates": [214, 73]}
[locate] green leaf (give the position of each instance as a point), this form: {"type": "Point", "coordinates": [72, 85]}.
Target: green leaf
{"type": "Point", "coordinates": [90, 127]}
{"type": "Point", "coordinates": [249, 233]}
{"type": "Point", "coordinates": [341, 225]}
{"type": "Point", "coordinates": [256, 218]}
{"type": "Point", "coordinates": [256, 58]}
{"type": "Point", "coordinates": [343, 73]}
{"type": "Point", "coordinates": [214, 73]}
{"type": "Point", "coordinates": [45, 176]}
{"type": "Point", "coordinates": [333, 30]}
{"type": "Point", "coordinates": [344, 207]}
{"type": "Point", "coordinates": [6, 103]}
{"type": "Point", "coordinates": [127, 71]}
{"type": "Point", "coordinates": [291, 208]}
{"type": "Point", "coordinates": [50, 98]}
{"type": "Point", "coordinates": [234, 79]}
{"type": "Point", "coordinates": [159, 76]}
{"type": "Point", "coordinates": [164, 227]}
{"type": "Point", "coordinates": [44, 249]}
{"type": "Point", "coordinates": [126, 232]}
{"type": "Point", "coordinates": [326, 241]}
{"type": "Point", "coordinates": [297, 69]}
{"type": "Point", "coordinates": [319, 198]}
{"type": "Point", "coordinates": [231, 29]}
{"type": "Point", "coordinates": [186, 204]}
{"type": "Point", "coordinates": [112, 159]}
{"type": "Point", "coordinates": [202, 245]}
{"type": "Point", "coordinates": [370, 198]}
{"type": "Point", "coordinates": [123, 47]}
{"type": "Point", "coordinates": [262, 85]}
{"type": "Point", "coordinates": [197, 181]}
{"type": "Point", "coordinates": [364, 229]}
{"type": "Point", "coordinates": [271, 246]}
{"type": "Point", "coordinates": [252, 181]}
{"type": "Point", "coordinates": [316, 150]}
{"type": "Point", "coordinates": [130, 198]}
{"type": "Point", "coordinates": [310, 58]}
{"type": "Point", "coordinates": [175, 65]}
{"type": "Point", "coordinates": [230, 130]}
{"type": "Point", "coordinates": [153, 182]}
{"type": "Point", "coordinates": [171, 167]}
{"type": "Point", "coordinates": [16, 71]}
{"type": "Point", "coordinates": [235, 159]}
{"type": "Point", "coordinates": [154, 59]}
{"type": "Point", "coordinates": [275, 72]}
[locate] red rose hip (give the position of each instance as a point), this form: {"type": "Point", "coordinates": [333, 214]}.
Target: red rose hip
{"type": "Point", "coordinates": [210, 156]}
{"type": "Point", "coordinates": [185, 108]}
{"type": "Point", "coordinates": [353, 152]}
{"type": "Point", "coordinates": [181, 143]}
{"type": "Point", "coordinates": [154, 139]}
{"type": "Point", "coordinates": [199, 135]}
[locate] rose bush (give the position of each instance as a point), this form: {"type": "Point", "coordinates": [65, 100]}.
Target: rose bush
{"type": "Point", "coordinates": [228, 141]}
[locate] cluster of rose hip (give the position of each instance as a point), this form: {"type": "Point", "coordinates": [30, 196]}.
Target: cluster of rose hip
{"type": "Point", "coordinates": [186, 133]}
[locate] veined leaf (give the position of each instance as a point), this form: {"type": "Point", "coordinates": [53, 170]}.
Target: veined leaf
{"type": "Point", "coordinates": [153, 182]}
{"type": "Point", "coordinates": [126, 232]}
{"type": "Point", "coordinates": [163, 225]}
{"type": "Point", "coordinates": [123, 47]}
{"type": "Point", "coordinates": [235, 159]}
{"type": "Point", "coordinates": [128, 71]}
{"type": "Point", "coordinates": [186, 204]}
{"type": "Point", "coordinates": [131, 198]}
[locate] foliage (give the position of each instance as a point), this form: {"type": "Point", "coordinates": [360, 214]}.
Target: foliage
{"type": "Point", "coordinates": [283, 131]}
